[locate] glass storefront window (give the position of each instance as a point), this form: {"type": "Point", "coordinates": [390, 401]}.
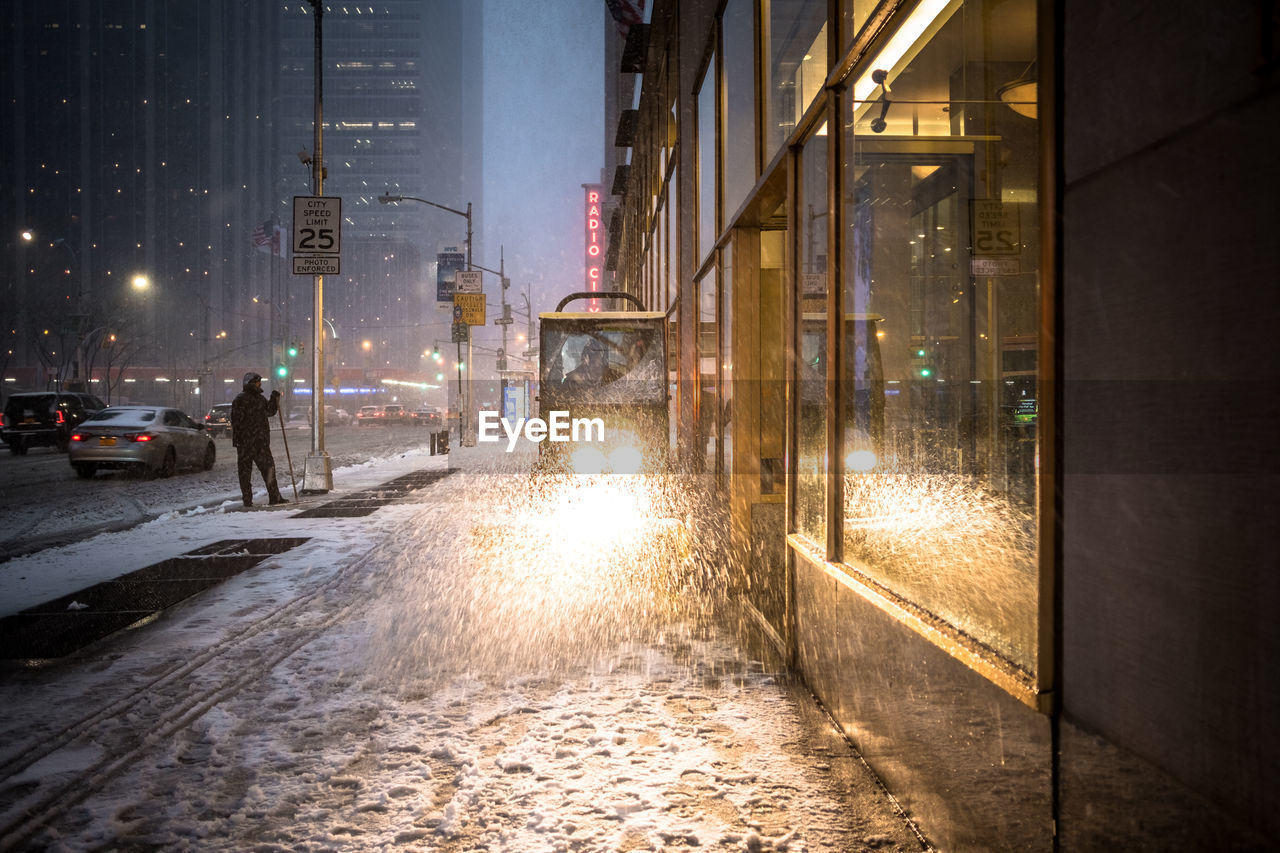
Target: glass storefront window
{"type": "Point", "coordinates": [726, 363]}
{"type": "Point", "coordinates": [672, 284]}
{"type": "Point", "coordinates": [854, 14]}
{"type": "Point", "coordinates": [796, 49]}
{"type": "Point", "coordinates": [707, 162]}
{"type": "Point", "coordinates": [708, 422]}
{"type": "Point", "coordinates": [941, 297]}
{"type": "Point", "coordinates": [811, 381]}
{"type": "Point", "coordinates": [739, 49]}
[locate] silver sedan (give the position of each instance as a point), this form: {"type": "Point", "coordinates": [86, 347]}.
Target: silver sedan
{"type": "Point", "coordinates": [151, 439]}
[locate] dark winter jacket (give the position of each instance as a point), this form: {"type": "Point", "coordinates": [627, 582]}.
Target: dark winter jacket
{"type": "Point", "coordinates": [251, 414]}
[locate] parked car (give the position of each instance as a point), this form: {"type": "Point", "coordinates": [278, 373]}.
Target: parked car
{"type": "Point", "coordinates": [395, 414]}
{"type": "Point", "coordinates": [150, 439]}
{"type": "Point", "coordinates": [371, 416]}
{"type": "Point", "coordinates": [218, 420]}
{"type": "Point", "coordinates": [333, 416]}
{"type": "Point", "coordinates": [44, 418]}
{"type": "Point", "coordinates": [426, 416]}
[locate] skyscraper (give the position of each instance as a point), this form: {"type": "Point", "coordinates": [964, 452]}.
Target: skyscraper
{"type": "Point", "coordinates": [161, 141]}
{"type": "Point", "coordinates": [402, 86]}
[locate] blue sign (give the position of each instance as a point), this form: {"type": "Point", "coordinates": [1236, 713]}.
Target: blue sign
{"type": "Point", "coordinates": [509, 403]}
{"type": "Point", "coordinates": [447, 265]}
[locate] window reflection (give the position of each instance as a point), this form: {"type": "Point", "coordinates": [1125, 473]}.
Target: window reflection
{"type": "Point", "coordinates": [811, 432]}
{"type": "Point", "coordinates": [707, 162]}
{"type": "Point", "coordinates": [796, 47]}
{"type": "Point", "coordinates": [708, 420]}
{"type": "Point", "coordinates": [941, 294]}
{"type": "Point", "coordinates": [740, 102]}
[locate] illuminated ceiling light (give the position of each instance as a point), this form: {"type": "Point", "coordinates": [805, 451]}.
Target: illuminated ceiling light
{"type": "Point", "coordinates": [1020, 96]}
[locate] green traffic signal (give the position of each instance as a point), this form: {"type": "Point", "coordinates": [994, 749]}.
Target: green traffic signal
{"type": "Point", "coordinates": [282, 371]}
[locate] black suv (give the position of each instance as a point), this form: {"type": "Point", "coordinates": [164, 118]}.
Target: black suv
{"type": "Point", "coordinates": [218, 420]}
{"type": "Point", "coordinates": [44, 418]}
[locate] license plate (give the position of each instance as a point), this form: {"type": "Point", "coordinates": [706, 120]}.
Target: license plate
{"type": "Point", "coordinates": [107, 441]}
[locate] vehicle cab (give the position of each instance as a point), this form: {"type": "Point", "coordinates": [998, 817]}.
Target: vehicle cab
{"type": "Point", "coordinates": [609, 366]}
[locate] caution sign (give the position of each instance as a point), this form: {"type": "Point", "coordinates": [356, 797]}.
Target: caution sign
{"type": "Point", "coordinates": [472, 305]}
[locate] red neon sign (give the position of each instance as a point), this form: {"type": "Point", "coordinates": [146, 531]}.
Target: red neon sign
{"type": "Point", "coordinates": [594, 240]}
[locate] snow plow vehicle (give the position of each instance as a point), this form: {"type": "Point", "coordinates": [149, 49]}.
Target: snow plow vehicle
{"type": "Point", "coordinates": [605, 372]}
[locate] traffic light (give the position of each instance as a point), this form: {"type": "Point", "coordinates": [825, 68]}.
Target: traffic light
{"type": "Point", "coordinates": [282, 371]}
{"type": "Point", "coordinates": [293, 350]}
{"type": "Point", "coordinates": [922, 364]}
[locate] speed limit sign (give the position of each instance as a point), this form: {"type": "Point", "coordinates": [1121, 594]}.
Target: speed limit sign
{"type": "Point", "coordinates": [317, 225]}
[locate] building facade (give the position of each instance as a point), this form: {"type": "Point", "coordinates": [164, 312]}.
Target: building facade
{"type": "Point", "coordinates": [163, 143]}
{"type": "Point", "coordinates": [135, 141]}
{"type": "Point", "coordinates": [910, 251]}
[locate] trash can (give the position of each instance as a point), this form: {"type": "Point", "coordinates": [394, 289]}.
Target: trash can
{"type": "Point", "coordinates": [440, 442]}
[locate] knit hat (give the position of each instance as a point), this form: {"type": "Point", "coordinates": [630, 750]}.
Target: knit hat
{"type": "Point", "coordinates": [249, 379]}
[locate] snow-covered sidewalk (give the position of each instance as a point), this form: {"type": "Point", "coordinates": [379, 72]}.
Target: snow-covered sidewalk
{"type": "Point", "coordinates": [470, 668]}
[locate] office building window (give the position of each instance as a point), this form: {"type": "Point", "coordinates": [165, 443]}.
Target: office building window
{"type": "Point", "coordinates": [795, 49]}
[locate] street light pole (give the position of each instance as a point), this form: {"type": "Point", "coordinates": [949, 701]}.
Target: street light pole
{"type": "Point", "coordinates": [464, 391]}
{"type": "Point", "coordinates": [317, 476]}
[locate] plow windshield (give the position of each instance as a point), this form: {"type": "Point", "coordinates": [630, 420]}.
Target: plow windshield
{"type": "Point", "coordinates": [610, 366]}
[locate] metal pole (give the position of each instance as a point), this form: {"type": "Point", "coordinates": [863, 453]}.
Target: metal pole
{"type": "Point", "coordinates": [465, 438]}
{"type": "Point", "coordinates": [502, 292]}
{"type": "Point", "coordinates": [318, 473]}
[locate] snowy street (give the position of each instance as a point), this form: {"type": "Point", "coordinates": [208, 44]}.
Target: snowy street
{"type": "Point", "coordinates": [479, 664]}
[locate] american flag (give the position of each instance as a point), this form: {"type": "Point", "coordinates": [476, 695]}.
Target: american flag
{"type": "Point", "coordinates": [626, 13]}
{"type": "Point", "coordinates": [266, 237]}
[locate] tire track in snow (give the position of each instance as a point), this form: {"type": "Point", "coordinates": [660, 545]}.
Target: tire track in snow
{"type": "Point", "coordinates": [174, 699]}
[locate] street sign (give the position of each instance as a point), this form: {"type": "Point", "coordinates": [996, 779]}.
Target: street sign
{"type": "Point", "coordinates": [502, 321]}
{"type": "Point", "coordinates": [317, 225]}
{"type": "Point", "coordinates": [995, 266]}
{"type": "Point", "coordinates": [995, 228]}
{"type": "Point", "coordinates": [317, 265]}
{"type": "Point", "coordinates": [472, 305]}
{"type": "Point", "coordinates": [461, 332]}
{"type": "Point", "coordinates": [468, 281]}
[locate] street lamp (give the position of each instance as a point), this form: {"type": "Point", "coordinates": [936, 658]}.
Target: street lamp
{"type": "Point", "coordinates": [464, 416]}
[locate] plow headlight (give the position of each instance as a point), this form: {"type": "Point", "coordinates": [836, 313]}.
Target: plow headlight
{"type": "Point", "coordinates": [589, 460]}
{"type": "Point", "coordinates": [860, 461]}
{"type": "Point", "coordinates": [626, 460]}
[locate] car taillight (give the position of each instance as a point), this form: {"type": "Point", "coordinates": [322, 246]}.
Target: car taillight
{"type": "Point", "coordinates": [140, 436]}
{"type": "Point", "coordinates": [61, 418]}
{"type": "Point", "coordinates": [75, 436]}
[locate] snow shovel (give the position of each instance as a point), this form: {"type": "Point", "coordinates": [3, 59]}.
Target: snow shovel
{"type": "Point", "coordinates": [284, 435]}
